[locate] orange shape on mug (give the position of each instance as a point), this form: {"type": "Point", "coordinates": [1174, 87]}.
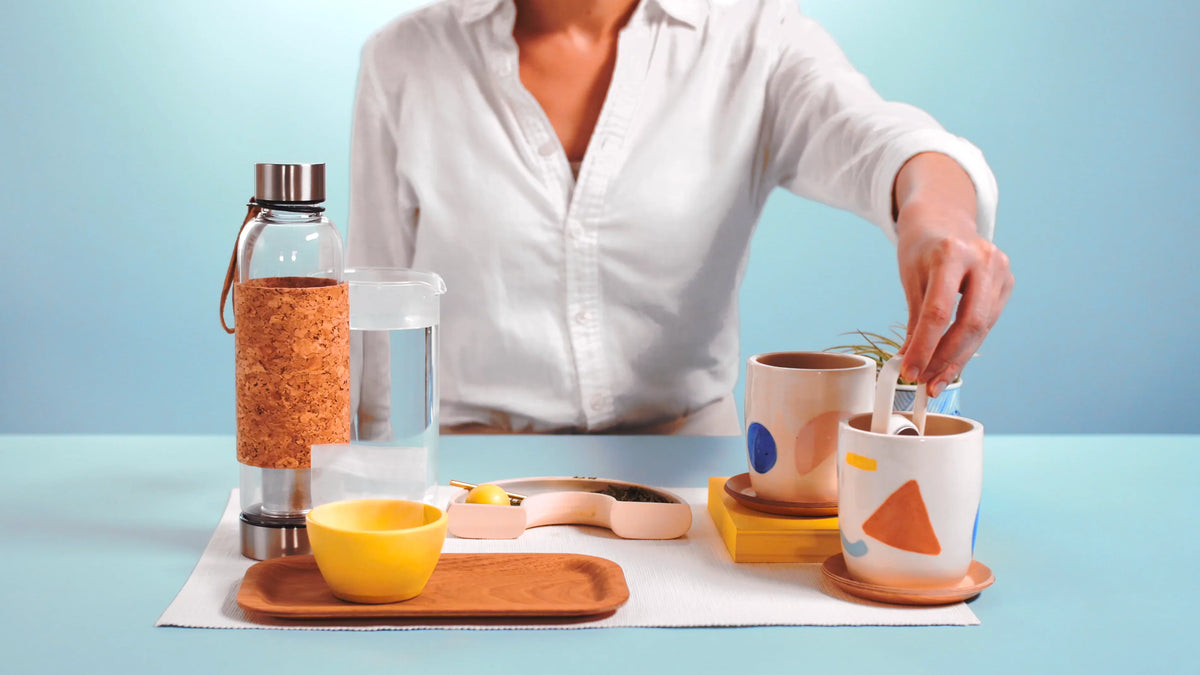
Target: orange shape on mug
{"type": "Point", "coordinates": [817, 440]}
{"type": "Point", "coordinates": [902, 521]}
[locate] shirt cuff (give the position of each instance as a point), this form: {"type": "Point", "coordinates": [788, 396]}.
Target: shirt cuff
{"type": "Point", "coordinates": [969, 157]}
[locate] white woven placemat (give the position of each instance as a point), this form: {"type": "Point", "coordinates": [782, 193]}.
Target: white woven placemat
{"type": "Point", "coordinates": [685, 582]}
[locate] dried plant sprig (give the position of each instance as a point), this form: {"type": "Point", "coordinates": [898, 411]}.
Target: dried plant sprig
{"type": "Point", "coordinates": [879, 348]}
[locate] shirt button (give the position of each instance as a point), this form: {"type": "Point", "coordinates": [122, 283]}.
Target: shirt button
{"type": "Point", "coordinates": [598, 402]}
{"type": "Point", "coordinates": [575, 229]}
{"type": "Point", "coordinates": [582, 316]}
{"type": "Point", "coordinates": [548, 148]}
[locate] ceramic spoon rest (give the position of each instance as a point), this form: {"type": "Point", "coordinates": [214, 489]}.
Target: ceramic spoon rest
{"type": "Point", "coordinates": [572, 501]}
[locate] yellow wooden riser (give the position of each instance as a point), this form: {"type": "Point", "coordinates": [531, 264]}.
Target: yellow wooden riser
{"type": "Point", "coordinates": [752, 536]}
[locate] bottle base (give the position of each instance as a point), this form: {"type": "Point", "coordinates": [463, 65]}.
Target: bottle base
{"type": "Point", "coordinates": [263, 540]}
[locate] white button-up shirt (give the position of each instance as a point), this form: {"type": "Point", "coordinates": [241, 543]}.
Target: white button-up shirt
{"type": "Point", "coordinates": [611, 299]}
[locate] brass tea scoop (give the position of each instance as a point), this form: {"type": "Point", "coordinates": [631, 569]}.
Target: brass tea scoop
{"type": "Point", "coordinates": [513, 498]}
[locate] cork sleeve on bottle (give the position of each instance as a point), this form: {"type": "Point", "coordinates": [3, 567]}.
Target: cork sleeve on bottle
{"type": "Point", "coordinates": [292, 369]}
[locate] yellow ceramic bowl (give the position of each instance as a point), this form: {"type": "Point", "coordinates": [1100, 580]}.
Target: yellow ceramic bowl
{"type": "Point", "coordinates": [376, 550]}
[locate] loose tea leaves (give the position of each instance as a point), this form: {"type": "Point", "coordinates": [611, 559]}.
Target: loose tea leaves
{"type": "Point", "coordinates": [634, 493]}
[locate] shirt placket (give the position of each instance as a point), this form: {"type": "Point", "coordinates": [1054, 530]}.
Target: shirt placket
{"type": "Point", "coordinates": [536, 137]}
{"type": "Point", "coordinates": [581, 232]}
{"type": "Point", "coordinates": [580, 201]}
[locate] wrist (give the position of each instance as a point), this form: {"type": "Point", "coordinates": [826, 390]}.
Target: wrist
{"type": "Point", "coordinates": [919, 218]}
{"type": "Point", "coordinates": [932, 186]}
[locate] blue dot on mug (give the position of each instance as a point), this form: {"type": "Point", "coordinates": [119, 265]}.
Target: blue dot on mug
{"type": "Point", "coordinates": [761, 446]}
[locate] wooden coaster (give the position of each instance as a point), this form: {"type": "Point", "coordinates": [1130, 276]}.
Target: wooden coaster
{"type": "Point", "coordinates": [978, 578]}
{"type": "Point", "coordinates": [464, 585]}
{"type": "Point", "coordinates": [739, 488]}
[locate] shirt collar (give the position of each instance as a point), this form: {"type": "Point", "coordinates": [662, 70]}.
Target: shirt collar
{"type": "Point", "coordinates": [470, 11]}
{"type": "Point", "coordinates": [691, 12]}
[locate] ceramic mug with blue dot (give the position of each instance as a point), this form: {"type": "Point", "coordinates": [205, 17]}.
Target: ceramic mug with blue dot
{"type": "Point", "coordinates": [794, 402]}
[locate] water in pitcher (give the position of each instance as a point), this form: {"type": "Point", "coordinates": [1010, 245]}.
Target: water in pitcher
{"type": "Point", "coordinates": [393, 367]}
{"type": "Point", "coordinates": [398, 401]}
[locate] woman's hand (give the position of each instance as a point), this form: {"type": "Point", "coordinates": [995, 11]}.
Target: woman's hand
{"type": "Point", "coordinates": [941, 256]}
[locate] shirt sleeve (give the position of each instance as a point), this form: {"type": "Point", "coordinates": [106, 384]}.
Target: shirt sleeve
{"type": "Point", "coordinates": [832, 138]}
{"type": "Point", "coordinates": [383, 207]}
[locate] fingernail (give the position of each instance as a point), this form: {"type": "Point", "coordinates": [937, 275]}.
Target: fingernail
{"type": "Point", "coordinates": [938, 389]}
{"type": "Point", "coordinates": [909, 374]}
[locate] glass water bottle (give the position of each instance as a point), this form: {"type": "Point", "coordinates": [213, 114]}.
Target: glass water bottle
{"type": "Point", "coordinates": [292, 352]}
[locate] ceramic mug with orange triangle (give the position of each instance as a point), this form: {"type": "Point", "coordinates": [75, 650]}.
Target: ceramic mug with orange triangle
{"type": "Point", "coordinates": [908, 506]}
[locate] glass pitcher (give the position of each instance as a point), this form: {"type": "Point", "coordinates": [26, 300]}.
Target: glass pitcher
{"type": "Point", "coordinates": [394, 316]}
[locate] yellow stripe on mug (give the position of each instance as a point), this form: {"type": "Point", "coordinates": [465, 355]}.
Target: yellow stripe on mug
{"type": "Point", "coordinates": [860, 462]}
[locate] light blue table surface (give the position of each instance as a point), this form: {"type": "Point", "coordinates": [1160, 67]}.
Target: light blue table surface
{"type": "Point", "coordinates": [1093, 540]}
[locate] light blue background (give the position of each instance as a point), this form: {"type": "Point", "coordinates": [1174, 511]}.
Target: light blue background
{"type": "Point", "coordinates": [129, 129]}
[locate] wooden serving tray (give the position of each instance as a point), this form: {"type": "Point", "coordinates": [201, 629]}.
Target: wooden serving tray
{"type": "Point", "coordinates": [464, 585]}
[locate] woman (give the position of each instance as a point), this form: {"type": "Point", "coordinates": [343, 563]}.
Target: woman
{"type": "Point", "coordinates": [587, 174]}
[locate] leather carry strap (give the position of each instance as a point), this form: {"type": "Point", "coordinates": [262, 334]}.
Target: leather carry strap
{"type": "Point", "coordinates": [252, 211]}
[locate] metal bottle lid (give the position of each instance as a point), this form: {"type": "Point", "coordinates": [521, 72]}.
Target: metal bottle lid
{"type": "Point", "coordinates": [289, 182]}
